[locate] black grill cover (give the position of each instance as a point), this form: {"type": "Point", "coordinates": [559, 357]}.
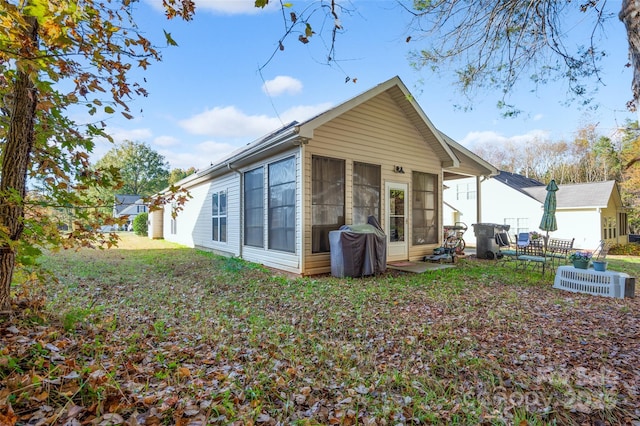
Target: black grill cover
{"type": "Point", "coordinates": [358, 250]}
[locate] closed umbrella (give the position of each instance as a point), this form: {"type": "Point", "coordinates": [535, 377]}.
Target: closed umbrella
{"type": "Point", "coordinates": [548, 222]}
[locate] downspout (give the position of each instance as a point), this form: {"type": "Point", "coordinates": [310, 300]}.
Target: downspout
{"type": "Point", "coordinates": [241, 197]}
{"type": "Point", "coordinates": [301, 143]}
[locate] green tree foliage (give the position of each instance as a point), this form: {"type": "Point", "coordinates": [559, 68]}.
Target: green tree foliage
{"type": "Point", "coordinates": [141, 224]}
{"type": "Point", "coordinates": [631, 182]}
{"type": "Point", "coordinates": [55, 55]}
{"type": "Point", "coordinates": [497, 44]}
{"type": "Point", "coordinates": [177, 175]}
{"type": "Point", "coordinates": [142, 170]}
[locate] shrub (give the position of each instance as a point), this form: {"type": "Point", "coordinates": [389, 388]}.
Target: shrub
{"type": "Point", "coordinates": [629, 249]}
{"type": "Point", "coordinates": [140, 225]}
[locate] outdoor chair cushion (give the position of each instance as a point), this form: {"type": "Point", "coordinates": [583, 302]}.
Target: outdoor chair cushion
{"type": "Point", "coordinates": [523, 239]}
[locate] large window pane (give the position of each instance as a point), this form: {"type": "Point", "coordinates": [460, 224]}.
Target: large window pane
{"type": "Point", "coordinates": [254, 208]}
{"type": "Point", "coordinates": [223, 203]}
{"type": "Point", "coordinates": [219, 216]}
{"type": "Point", "coordinates": [424, 208]}
{"type": "Point", "coordinates": [215, 229]}
{"type": "Point", "coordinates": [282, 205]}
{"type": "Point", "coordinates": [396, 215]}
{"type": "Point", "coordinates": [223, 229]}
{"type": "Point", "coordinates": [366, 191]}
{"type": "Point", "coordinates": [327, 204]}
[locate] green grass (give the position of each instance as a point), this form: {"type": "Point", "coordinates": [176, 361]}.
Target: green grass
{"type": "Point", "coordinates": [185, 334]}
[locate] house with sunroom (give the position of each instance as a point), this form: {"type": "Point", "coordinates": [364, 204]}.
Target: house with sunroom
{"type": "Point", "coordinates": [275, 200]}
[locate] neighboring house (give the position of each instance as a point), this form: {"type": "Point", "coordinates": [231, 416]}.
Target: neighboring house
{"type": "Point", "coordinates": [128, 205]}
{"type": "Point", "coordinates": [588, 212]}
{"type": "Point", "coordinates": [275, 201]}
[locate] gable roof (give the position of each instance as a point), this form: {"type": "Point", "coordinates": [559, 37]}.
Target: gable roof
{"type": "Point", "coordinates": [484, 168]}
{"type": "Point", "coordinates": [131, 209]}
{"type": "Point", "coordinates": [296, 133]}
{"type": "Point", "coordinates": [123, 201]}
{"type": "Point", "coordinates": [578, 195]}
{"type": "Point", "coordinates": [403, 98]}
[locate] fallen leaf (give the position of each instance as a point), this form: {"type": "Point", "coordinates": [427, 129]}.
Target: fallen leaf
{"type": "Point", "coordinates": [7, 416]}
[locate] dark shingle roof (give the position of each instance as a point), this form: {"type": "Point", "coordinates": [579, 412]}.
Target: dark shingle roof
{"type": "Point", "coordinates": [516, 181]}
{"type": "Point", "coordinates": [592, 194]}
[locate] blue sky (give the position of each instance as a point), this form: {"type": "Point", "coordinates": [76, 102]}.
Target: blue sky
{"type": "Point", "coordinates": [207, 97]}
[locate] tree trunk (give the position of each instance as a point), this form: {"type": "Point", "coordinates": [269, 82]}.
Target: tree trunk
{"type": "Point", "coordinates": [15, 163]}
{"type": "Point", "coordinates": [630, 16]}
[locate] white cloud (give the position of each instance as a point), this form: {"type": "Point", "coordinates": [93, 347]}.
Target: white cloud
{"type": "Point", "coordinates": [282, 84]}
{"type": "Point", "coordinates": [199, 156]}
{"type": "Point", "coordinates": [135, 135]}
{"type": "Point", "coordinates": [215, 150]}
{"type": "Point", "coordinates": [233, 7]}
{"type": "Point", "coordinates": [304, 112]}
{"type": "Point", "coordinates": [166, 141]}
{"type": "Point", "coordinates": [489, 137]}
{"type": "Point", "coordinates": [230, 122]}
{"type": "Point", "coordinates": [227, 7]}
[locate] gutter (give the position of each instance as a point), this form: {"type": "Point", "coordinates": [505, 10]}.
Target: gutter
{"type": "Point", "coordinates": [288, 136]}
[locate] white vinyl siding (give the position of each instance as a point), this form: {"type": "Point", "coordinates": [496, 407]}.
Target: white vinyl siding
{"type": "Point", "coordinates": [194, 224]}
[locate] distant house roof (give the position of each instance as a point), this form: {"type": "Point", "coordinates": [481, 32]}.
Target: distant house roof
{"type": "Point", "coordinates": [516, 181]}
{"type": "Point", "coordinates": [132, 209]}
{"type": "Point", "coordinates": [573, 195]}
{"type": "Point", "coordinates": [578, 195]}
{"type": "Point", "coordinates": [123, 201]}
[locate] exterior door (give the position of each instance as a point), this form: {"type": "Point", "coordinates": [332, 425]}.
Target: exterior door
{"type": "Point", "coordinates": [396, 221]}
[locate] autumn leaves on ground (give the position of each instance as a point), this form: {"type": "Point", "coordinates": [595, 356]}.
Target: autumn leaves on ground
{"type": "Point", "coordinates": [159, 334]}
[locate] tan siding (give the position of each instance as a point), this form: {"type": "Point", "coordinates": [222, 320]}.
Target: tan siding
{"type": "Point", "coordinates": [467, 166]}
{"type": "Point", "coordinates": [375, 132]}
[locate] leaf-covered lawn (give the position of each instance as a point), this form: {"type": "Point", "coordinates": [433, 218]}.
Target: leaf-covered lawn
{"type": "Point", "coordinates": [159, 334]}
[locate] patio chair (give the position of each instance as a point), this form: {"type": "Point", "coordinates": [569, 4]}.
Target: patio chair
{"type": "Point", "coordinates": [559, 250]}
{"type": "Point", "coordinates": [507, 250]}
{"type": "Point", "coordinates": [532, 255]}
{"type": "Point", "coordinates": [600, 253]}
{"type": "Point", "coordinates": [523, 239]}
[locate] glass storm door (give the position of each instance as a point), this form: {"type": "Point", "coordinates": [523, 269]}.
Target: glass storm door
{"type": "Point", "coordinates": [396, 221]}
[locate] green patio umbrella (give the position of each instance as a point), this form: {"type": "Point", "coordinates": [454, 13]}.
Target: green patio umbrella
{"type": "Point", "coordinates": [548, 222]}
